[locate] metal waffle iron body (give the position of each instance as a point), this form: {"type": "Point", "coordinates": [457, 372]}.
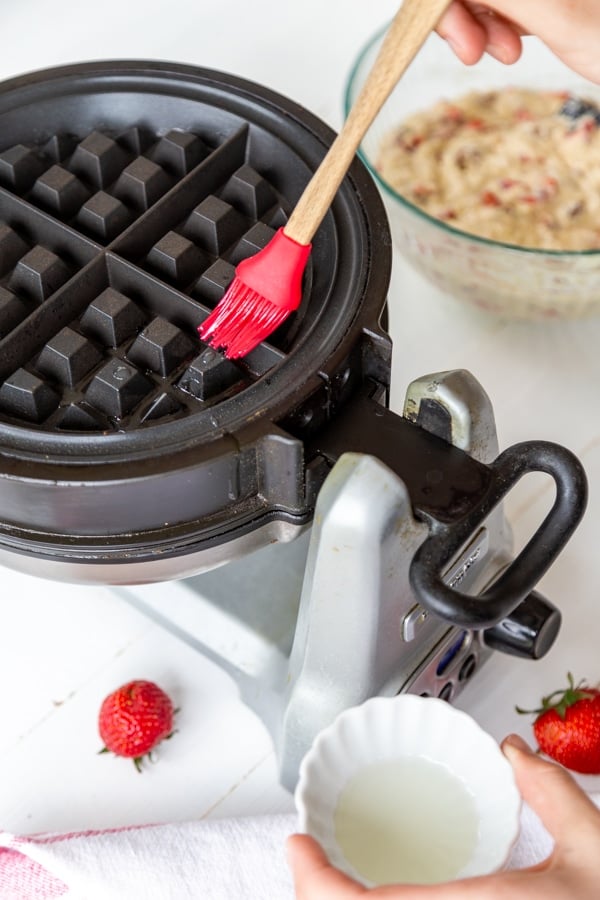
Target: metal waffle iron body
{"type": "Point", "coordinates": [130, 453]}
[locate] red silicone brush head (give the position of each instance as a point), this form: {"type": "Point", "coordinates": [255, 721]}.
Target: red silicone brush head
{"type": "Point", "coordinates": [267, 287]}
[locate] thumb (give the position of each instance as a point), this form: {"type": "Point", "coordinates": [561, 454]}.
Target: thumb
{"type": "Point", "coordinates": [563, 807]}
{"type": "Point", "coordinates": [314, 876]}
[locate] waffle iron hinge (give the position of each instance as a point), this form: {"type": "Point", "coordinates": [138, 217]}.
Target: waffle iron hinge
{"type": "Point", "coordinates": [359, 631]}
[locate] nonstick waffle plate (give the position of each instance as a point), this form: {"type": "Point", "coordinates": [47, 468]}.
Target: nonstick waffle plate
{"type": "Point", "coordinates": [122, 347]}
{"type": "Point", "coordinates": [129, 191]}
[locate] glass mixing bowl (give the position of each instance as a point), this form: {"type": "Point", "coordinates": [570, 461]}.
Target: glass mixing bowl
{"type": "Point", "coordinates": [508, 280]}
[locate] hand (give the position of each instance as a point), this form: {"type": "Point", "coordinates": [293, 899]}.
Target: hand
{"type": "Point", "coordinates": [572, 871]}
{"type": "Point", "coordinates": [570, 28]}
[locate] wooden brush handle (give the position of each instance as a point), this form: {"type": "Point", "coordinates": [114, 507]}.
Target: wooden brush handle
{"type": "Point", "coordinates": [411, 26]}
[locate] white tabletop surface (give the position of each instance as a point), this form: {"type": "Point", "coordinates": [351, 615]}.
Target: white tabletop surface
{"type": "Point", "coordinates": [64, 647]}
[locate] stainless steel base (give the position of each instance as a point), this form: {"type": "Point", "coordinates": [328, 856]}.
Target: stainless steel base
{"type": "Point", "coordinates": [314, 626]}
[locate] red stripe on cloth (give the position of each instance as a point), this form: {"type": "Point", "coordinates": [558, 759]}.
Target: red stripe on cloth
{"type": "Point", "coordinates": [71, 835]}
{"type": "Point", "coordinates": [22, 878]}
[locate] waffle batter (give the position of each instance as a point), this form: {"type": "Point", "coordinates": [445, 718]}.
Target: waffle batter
{"type": "Point", "coordinates": [514, 165]}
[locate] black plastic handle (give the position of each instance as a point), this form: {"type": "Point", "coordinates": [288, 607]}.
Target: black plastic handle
{"type": "Point", "coordinates": [520, 578]}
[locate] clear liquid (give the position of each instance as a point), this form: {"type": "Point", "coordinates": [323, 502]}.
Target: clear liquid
{"type": "Point", "coordinates": [406, 820]}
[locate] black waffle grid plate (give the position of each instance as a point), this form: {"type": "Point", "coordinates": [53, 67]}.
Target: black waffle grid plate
{"type": "Point", "coordinates": [121, 323]}
{"type": "Point", "coordinates": [129, 191]}
{"type": "Point", "coordinates": [113, 247]}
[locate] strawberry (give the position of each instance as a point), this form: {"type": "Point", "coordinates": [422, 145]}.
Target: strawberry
{"type": "Point", "coordinates": [134, 719]}
{"type": "Point", "coordinates": [567, 727]}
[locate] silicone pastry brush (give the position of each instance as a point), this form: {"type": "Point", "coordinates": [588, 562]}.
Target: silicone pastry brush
{"type": "Point", "coordinates": [267, 287]}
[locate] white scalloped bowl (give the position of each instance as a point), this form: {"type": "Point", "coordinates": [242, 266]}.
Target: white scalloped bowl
{"type": "Point", "coordinates": [408, 789]}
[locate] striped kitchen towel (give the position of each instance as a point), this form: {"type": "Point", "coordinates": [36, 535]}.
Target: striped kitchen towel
{"type": "Point", "coordinates": [212, 859]}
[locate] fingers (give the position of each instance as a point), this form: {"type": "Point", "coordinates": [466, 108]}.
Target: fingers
{"type": "Point", "coordinates": [464, 34]}
{"type": "Point", "coordinates": [571, 30]}
{"type": "Point", "coordinates": [502, 38]}
{"type": "Point", "coordinates": [564, 808]}
{"type": "Point", "coordinates": [314, 877]}
{"type": "Point", "coordinates": [473, 29]}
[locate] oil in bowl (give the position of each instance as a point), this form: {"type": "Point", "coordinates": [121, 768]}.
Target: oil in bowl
{"type": "Point", "coordinates": [406, 820]}
{"type": "Point", "coordinates": [408, 790]}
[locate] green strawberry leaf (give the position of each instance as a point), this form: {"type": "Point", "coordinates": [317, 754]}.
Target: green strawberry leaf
{"type": "Point", "coordinates": [560, 700]}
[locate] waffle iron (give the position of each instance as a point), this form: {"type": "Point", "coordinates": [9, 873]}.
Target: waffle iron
{"type": "Point", "coordinates": [132, 454]}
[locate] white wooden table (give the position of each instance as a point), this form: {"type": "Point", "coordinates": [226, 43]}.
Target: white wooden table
{"type": "Point", "coordinates": [64, 647]}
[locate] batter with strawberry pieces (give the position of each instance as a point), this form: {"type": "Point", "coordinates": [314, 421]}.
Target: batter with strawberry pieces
{"type": "Point", "coordinates": [513, 165]}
